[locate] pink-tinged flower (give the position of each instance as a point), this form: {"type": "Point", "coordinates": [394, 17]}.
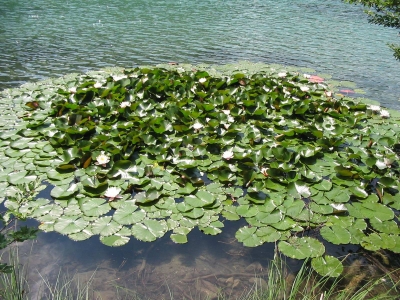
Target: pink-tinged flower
{"type": "Point", "coordinates": [112, 193]}
{"type": "Point", "coordinates": [316, 79]}
{"type": "Point", "coordinates": [228, 154]}
{"type": "Point", "coordinates": [385, 114]}
{"type": "Point", "coordinates": [264, 171]}
{"type": "Point", "coordinates": [125, 104]}
{"type": "Point", "coordinates": [202, 80]}
{"type": "Point", "coordinates": [102, 159]}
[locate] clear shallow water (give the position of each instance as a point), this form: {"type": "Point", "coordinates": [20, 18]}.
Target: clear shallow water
{"type": "Point", "coordinates": [42, 39]}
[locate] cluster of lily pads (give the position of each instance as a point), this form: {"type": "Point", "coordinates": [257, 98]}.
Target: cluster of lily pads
{"type": "Point", "coordinates": [149, 151]}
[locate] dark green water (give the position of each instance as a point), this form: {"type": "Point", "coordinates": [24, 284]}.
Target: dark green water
{"type": "Point", "coordinates": [41, 38]}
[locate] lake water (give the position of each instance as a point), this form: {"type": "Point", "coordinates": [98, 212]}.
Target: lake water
{"type": "Point", "coordinates": [41, 39]}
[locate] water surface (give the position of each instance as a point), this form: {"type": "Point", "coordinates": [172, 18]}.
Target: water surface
{"type": "Point", "coordinates": [42, 39]}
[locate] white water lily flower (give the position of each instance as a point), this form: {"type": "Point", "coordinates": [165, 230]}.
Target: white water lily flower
{"type": "Point", "coordinates": [72, 90]}
{"type": "Point", "coordinates": [228, 154]}
{"type": "Point", "coordinates": [385, 114]}
{"type": "Point", "coordinates": [202, 80]}
{"type": "Point", "coordinates": [374, 107]}
{"type": "Point", "coordinates": [388, 161]}
{"type": "Point", "coordinates": [226, 111]}
{"type": "Point", "coordinates": [338, 207]}
{"type": "Point", "coordinates": [119, 77]}
{"type": "Point", "coordinates": [381, 164]}
{"type": "Point", "coordinates": [125, 104]}
{"type": "Point", "coordinates": [306, 75]}
{"type": "Point", "coordinates": [282, 74]}
{"type": "Point", "coordinates": [98, 85]}
{"type": "Point", "coordinates": [304, 88]}
{"type": "Point", "coordinates": [197, 126]}
{"type": "Point", "coordinates": [112, 192]}
{"type": "Point", "coordinates": [102, 159]}
{"type": "Point", "coordinates": [328, 93]}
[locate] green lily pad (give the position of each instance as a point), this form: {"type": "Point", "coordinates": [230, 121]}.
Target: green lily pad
{"type": "Point", "coordinates": [327, 266]}
{"type": "Point", "coordinates": [149, 230]}
{"type": "Point", "coordinates": [301, 248]}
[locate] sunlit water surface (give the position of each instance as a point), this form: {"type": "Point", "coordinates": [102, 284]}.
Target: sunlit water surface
{"type": "Point", "coordinates": [41, 39]}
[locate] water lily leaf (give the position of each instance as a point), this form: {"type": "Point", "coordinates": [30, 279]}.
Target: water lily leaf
{"type": "Point", "coordinates": [21, 143]}
{"type": "Point", "coordinates": [179, 238]}
{"type": "Point", "coordinates": [299, 189]}
{"type": "Point", "coordinates": [114, 240]}
{"type": "Point", "coordinates": [336, 235]}
{"type": "Point", "coordinates": [195, 213]}
{"type": "Point", "coordinates": [377, 210]}
{"type": "Point", "coordinates": [20, 177]}
{"type": "Point", "coordinates": [55, 175]}
{"type": "Point", "coordinates": [327, 266]}
{"type": "Point", "coordinates": [187, 189]}
{"type": "Point", "coordinates": [200, 199]}
{"type": "Point", "coordinates": [385, 226]}
{"type": "Point", "coordinates": [301, 248]}
{"type": "Point", "coordinates": [324, 185]}
{"type": "Point", "coordinates": [81, 236]}
{"type": "Point", "coordinates": [337, 195]}
{"type": "Point", "coordinates": [94, 207]}
{"type": "Point", "coordinates": [64, 192]}
{"type": "Point", "coordinates": [213, 228]}
{"type": "Point", "coordinates": [105, 226]}
{"type": "Point", "coordinates": [373, 242]}
{"type": "Point", "coordinates": [388, 182]}
{"type": "Point", "coordinates": [230, 214]}
{"type": "Point", "coordinates": [70, 224]}
{"type": "Point", "coordinates": [149, 230]}
{"type": "Point", "coordinates": [128, 216]}
{"type": "Point", "coordinates": [270, 218]}
{"type": "Point", "coordinates": [358, 192]}
{"type": "Point", "coordinates": [268, 234]}
{"type": "Point", "coordinates": [342, 171]}
{"type": "Point", "coordinates": [248, 236]}
{"type": "Point", "coordinates": [247, 211]}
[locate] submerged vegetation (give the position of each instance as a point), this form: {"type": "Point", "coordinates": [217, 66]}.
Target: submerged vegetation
{"type": "Point", "coordinates": [148, 151]}
{"type": "Point", "coordinates": [275, 282]}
